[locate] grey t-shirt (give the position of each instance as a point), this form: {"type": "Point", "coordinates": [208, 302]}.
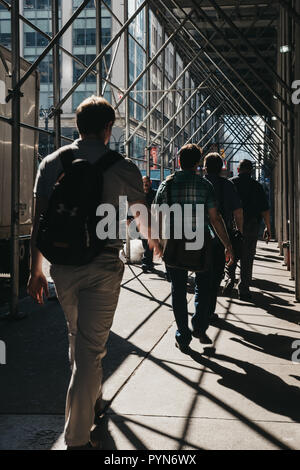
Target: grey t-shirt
{"type": "Point", "coordinates": [122, 179]}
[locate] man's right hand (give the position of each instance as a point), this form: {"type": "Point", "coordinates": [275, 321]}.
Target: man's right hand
{"type": "Point", "coordinates": [229, 256]}
{"type": "Point", "coordinates": [38, 286]}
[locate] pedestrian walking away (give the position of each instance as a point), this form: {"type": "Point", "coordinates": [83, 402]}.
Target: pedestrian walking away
{"type": "Point", "coordinates": [230, 207]}
{"type": "Point", "coordinates": [147, 261]}
{"type": "Point", "coordinates": [255, 208]}
{"type": "Point", "coordinates": [186, 187]}
{"type": "Point", "coordinates": [88, 291]}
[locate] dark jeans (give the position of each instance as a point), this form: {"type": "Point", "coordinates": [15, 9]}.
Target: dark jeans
{"type": "Point", "coordinates": [147, 260]}
{"type": "Point", "coordinates": [218, 267]}
{"type": "Point", "coordinates": [200, 320]}
{"type": "Point", "coordinates": [248, 250]}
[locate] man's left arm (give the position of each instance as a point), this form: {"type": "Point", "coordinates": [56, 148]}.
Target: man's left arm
{"type": "Point", "coordinates": [37, 284]}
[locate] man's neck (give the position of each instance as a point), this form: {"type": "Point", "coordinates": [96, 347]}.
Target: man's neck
{"type": "Point", "coordinates": [92, 137]}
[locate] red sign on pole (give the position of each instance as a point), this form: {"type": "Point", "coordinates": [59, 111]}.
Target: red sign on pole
{"type": "Point", "coordinates": [153, 156]}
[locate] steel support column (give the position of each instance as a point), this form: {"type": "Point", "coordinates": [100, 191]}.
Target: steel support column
{"type": "Point", "coordinates": [56, 76]}
{"type": "Point", "coordinates": [297, 162]}
{"type": "Point", "coordinates": [15, 161]}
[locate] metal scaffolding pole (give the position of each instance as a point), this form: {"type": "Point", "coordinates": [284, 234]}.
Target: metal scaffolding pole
{"type": "Point", "coordinates": [45, 35]}
{"type": "Point", "coordinates": [127, 113]}
{"type": "Point", "coordinates": [174, 110]}
{"type": "Point", "coordinates": [153, 60]}
{"type": "Point", "coordinates": [162, 140]}
{"type": "Point", "coordinates": [155, 106]}
{"type": "Point", "coordinates": [102, 54]}
{"type": "Point", "coordinates": [189, 120]}
{"type": "Point", "coordinates": [179, 110]}
{"type": "Point", "coordinates": [148, 95]}
{"type": "Point", "coordinates": [98, 45]}
{"type": "Point", "coordinates": [297, 163]}
{"type": "Point", "coordinates": [15, 163]}
{"type": "Point", "coordinates": [248, 65]}
{"type": "Point", "coordinates": [228, 20]}
{"type": "Point", "coordinates": [56, 77]}
{"type": "Point", "coordinates": [213, 62]}
{"type": "Point", "coordinates": [47, 49]}
{"type": "Point", "coordinates": [234, 104]}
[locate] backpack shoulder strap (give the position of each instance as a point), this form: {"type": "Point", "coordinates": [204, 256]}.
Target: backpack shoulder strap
{"type": "Point", "coordinates": [107, 160]}
{"type": "Point", "coordinates": [66, 156]}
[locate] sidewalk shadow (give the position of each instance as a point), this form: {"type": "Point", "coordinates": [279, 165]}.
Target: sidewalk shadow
{"type": "Point", "coordinates": [270, 286]}
{"type": "Point", "coordinates": [101, 435]}
{"type": "Point", "coordinates": [275, 345]}
{"type": "Point", "coordinates": [275, 306]}
{"type": "Point", "coordinates": [260, 386]}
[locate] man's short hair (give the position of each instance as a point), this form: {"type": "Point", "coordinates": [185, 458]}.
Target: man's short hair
{"type": "Point", "coordinates": [189, 156]}
{"type": "Point", "coordinates": [245, 166]}
{"type": "Point", "coordinates": [93, 114]}
{"type": "Point", "coordinates": [213, 163]}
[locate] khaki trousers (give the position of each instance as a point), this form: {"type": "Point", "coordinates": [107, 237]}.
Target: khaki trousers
{"type": "Point", "coordinates": [88, 295]}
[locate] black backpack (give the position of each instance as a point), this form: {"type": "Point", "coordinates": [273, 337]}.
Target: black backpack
{"type": "Point", "coordinates": [67, 230]}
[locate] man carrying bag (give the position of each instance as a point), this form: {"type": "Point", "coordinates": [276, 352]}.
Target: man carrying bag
{"type": "Point", "coordinates": [188, 189]}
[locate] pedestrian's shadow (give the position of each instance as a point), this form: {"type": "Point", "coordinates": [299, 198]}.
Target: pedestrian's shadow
{"type": "Point", "coordinates": [270, 286]}
{"type": "Point", "coordinates": [256, 384]}
{"type": "Point", "coordinates": [275, 345]}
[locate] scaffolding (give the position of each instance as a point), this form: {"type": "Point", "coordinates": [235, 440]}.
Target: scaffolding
{"type": "Point", "coordinates": [242, 58]}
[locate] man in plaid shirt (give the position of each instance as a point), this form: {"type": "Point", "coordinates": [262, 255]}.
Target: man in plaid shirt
{"type": "Point", "coordinates": [189, 188]}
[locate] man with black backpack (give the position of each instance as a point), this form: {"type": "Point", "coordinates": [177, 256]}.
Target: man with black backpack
{"type": "Point", "coordinates": [255, 208]}
{"type": "Point", "coordinates": [230, 208]}
{"type": "Point", "coordinates": [71, 185]}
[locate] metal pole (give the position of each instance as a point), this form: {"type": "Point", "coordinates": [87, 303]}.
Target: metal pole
{"type": "Point", "coordinates": [15, 162]}
{"type": "Point", "coordinates": [179, 110]}
{"type": "Point", "coordinates": [174, 111]}
{"type": "Point", "coordinates": [163, 96]}
{"type": "Point", "coordinates": [98, 45]}
{"type": "Point", "coordinates": [211, 60]}
{"type": "Point", "coordinates": [56, 76]}
{"type": "Point", "coordinates": [99, 57]}
{"type": "Point", "coordinates": [249, 44]}
{"type": "Point", "coordinates": [249, 66]}
{"type": "Point", "coordinates": [155, 57]}
{"type": "Point", "coordinates": [47, 49]}
{"type": "Point", "coordinates": [162, 144]}
{"type": "Point", "coordinates": [148, 86]}
{"type": "Point", "coordinates": [127, 115]}
{"type": "Point", "coordinates": [297, 163]}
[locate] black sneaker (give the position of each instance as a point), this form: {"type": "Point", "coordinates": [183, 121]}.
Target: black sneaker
{"type": "Point", "coordinates": [147, 269]}
{"type": "Point", "coordinates": [204, 339]}
{"type": "Point", "coordinates": [228, 288]}
{"type": "Point", "coordinates": [214, 318]}
{"type": "Point", "coordinates": [184, 347]}
{"type": "Point", "coordinates": [245, 296]}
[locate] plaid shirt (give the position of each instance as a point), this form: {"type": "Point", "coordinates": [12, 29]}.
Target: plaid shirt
{"type": "Point", "coordinates": [188, 188]}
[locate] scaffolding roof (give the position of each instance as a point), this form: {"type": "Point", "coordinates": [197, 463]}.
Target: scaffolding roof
{"type": "Point", "coordinates": [239, 39]}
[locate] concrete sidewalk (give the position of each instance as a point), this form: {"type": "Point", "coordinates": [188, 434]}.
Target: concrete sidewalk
{"type": "Point", "coordinates": [242, 394]}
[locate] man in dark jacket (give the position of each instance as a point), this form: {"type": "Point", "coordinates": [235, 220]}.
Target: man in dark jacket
{"type": "Point", "coordinates": [147, 261]}
{"type": "Point", "coordinates": [255, 207]}
{"type": "Point", "coordinates": [230, 207]}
